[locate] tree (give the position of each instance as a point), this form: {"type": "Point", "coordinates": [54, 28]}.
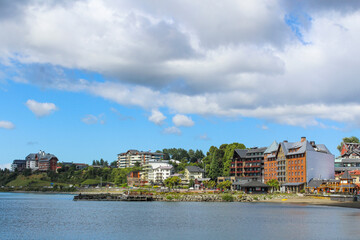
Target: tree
{"type": "Point", "coordinates": [352, 139]}
{"type": "Point", "coordinates": [274, 183]}
{"type": "Point", "coordinates": [209, 184]}
{"type": "Point", "coordinates": [228, 156]}
{"type": "Point", "coordinates": [191, 183]}
{"type": "Point", "coordinates": [224, 185]}
{"type": "Point", "coordinates": [172, 182]}
{"type": "Point", "coordinates": [216, 164]}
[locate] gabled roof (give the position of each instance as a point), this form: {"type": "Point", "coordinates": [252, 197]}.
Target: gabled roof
{"type": "Point", "coordinates": [256, 150]}
{"type": "Point", "coordinates": [194, 169]}
{"type": "Point", "coordinates": [303, 147]}
{"type": "Point", "coordinates": [272, 148]}
{"type": "Point", "coordinates": [241, 152]}
{"type": "Point", "coordinates": [346, 175]}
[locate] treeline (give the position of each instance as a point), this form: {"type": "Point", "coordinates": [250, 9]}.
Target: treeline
{"type": "Point", "coordinates": [70, 175]}
{"type": "Point", "coordinates": [180, 154]}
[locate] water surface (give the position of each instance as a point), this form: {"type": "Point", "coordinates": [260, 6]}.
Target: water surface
{"type": "Point", "coordinates": [56, 216]}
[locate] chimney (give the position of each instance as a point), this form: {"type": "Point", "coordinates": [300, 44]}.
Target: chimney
{"type": "Point", "coordinates": [286, 141]}
{"type": "Point", "coordinates": [303, 139]}
{"type": "Point", "coordinates": [312, 143]}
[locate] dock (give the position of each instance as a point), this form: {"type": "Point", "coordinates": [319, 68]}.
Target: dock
{"type": "Point", "coordinates": [113, 197]}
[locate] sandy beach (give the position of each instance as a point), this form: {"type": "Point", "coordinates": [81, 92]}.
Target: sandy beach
{"type": "Point", "coordinates": [322, 201]}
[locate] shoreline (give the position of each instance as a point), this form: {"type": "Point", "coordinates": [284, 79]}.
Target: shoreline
{"type": "Point", "coordinates": [281, 199]}
{"type": "Point", "coordinates": [313, 201]}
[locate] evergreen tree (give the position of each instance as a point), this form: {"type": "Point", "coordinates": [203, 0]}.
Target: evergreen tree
{"type": "Point", "coordinates": [352, 139]}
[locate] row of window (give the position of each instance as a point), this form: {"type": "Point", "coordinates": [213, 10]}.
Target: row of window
{"type": "Point", "coordinates": [296, 156]}
{"type": "Point", "coordinates": [295, 173]}
{"type": "Point", "coordinates": [296, 168]}
{"type": "Point", "coordinates": [296, 179]}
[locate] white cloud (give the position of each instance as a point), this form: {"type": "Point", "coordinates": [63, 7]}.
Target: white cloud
{"type": "Point", "coordinates": [171, 55]}
{"type": "Point", "coordinates": [157, 117]}
{"type": "Point", "coordinates": [41, 109]}
{"type": "Point", "coordinates": [91, 119]}
{"type": "Point", "coordinates": [6, 165]}
{"type": "Point", "coordinates": [172, 130]}
{"type": "Point", "coordinates": [7, 125]}
{"type": "Point", "coordinates": [204, 137]}
{"type": "Point", "coordinates": [182, 120]}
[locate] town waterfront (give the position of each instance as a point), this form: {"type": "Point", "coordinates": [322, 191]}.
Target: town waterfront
{"type": "Point", "coordinates": [57, 216]}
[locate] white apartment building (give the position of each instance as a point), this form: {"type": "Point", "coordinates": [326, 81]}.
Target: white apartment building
{"type": "Point", "coordinates": [157, 172]}
{"type": "Point", "coordinates": [129, 158]}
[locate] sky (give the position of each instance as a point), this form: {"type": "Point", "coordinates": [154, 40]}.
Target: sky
{"type": "Point", "coordinates": [89, 79]}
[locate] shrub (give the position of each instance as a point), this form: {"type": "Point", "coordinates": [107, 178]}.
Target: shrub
{"type": "Point", "coordinates": [227, 197]}
{"type": "Point", "coordinates": [302, 191]}
{"type": "Point", "coordinates": [256, 198]}
{"type": "Point", "coordinates": [168, 197]}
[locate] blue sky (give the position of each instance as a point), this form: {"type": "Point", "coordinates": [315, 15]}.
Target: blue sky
{"type": "Point", "coordinates": [89, 79]}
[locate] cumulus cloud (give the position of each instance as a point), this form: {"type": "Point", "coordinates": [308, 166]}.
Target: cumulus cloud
{"type": "Point", "coordinates": [7, 125]}
{"type": "Point", "coordinates": [41, 109]}
{"type": "Point", "coordinates": [157, 117]}
{"type": "Point", "coordinates": [289, 62]}
{"type": "Point", "coordinates": [182, 120]}
{"type": "Point", "coordinates": [91, 119]}
{"type": "Point", "coordinates": [172, 130]}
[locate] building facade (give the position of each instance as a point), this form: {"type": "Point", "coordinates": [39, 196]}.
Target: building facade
{"type": "Point", "coordinates": [193, 172]}
{"type": "Point", "coordinates": [18, 164]}
{"type": "Point", "coordinates": [298, 162]}
{"type": "Point", "coordinates": [157, 172]}
{"type": "Point", "coordinates": [41, 161]}
{"type": "Point", "coordinates": [248, 163]}
{"type": "Point", "coordinates": [131, 157]}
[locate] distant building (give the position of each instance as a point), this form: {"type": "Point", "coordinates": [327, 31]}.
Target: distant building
{"type": "Point", "coordinates": [349, 158]}
{"type": "Point", "coordinates": [41, 161]}
{"type": "Point", "coordinates": [344, 183]}
{"type": "Point", "coordinates": [157, 172]}
{"type": "Point", "coordinates": [131, 157]}
{"type": "Point", "coordinates": [248, 163]}
{"type": "Point", "coordinates": [133, 178]}
{"type": "Point", "coordinates": [296, 163]}
{"type": "Point", "coordinates": [18, 164]}
{"type": "Point", "coordinates": [232, 179]}
{"type": "Point", "coordinates": [78, 166]}
{"type": "Point", "coordinates": [250, 185]}
{"type": "Point", "coordinates": [193, 172]}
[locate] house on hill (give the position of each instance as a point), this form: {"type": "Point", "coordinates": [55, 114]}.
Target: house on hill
{"type": "Point", "coordinates": [193, 172]}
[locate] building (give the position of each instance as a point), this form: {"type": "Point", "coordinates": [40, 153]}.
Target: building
{"type": "Point", "coordinates": [19, 165]}
{"type": "Point", "coordinates": [41, 161]}
{"type": "Point", "coordinates": [248, 163]}
{"type": "Point", "coordinates": [157, 172]}
{"type": "Point", "coordinates": [78, 166]}
{"type": "Point", "coordinates": [349, 158]}
{"type": "Point", "coordinates": [193, 172]}
{"type": "Point", "coordinates": [250, 185]}
{"type": "Point", "coordinates": [232, 179]}
{"type": "Point", "coordinates": [270, 171]}
{"type": "Point", "coordinates": [133, 178]}
{"type": "Point", "coordinates": [131, 157]}
{"type": "Point", "coordinates": [298, 162]}
{"type": "Point", "coordinates": [344, 183]}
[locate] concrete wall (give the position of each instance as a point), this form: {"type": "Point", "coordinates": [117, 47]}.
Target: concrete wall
{"type": "Point", "coordinates": [319, 165]}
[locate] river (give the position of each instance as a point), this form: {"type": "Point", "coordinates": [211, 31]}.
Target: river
{"type": "Point", "coordinates": [56, 216]}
